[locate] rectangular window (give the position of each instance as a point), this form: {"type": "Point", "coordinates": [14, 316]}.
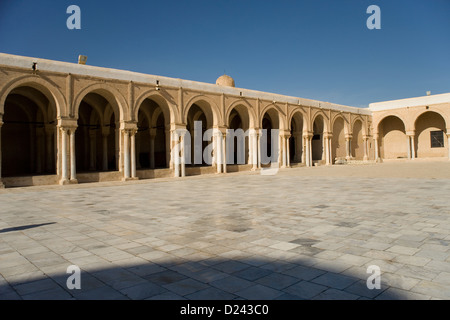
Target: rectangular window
{"type": "Point", "coordinates": [437, 139]}
{"type": "Point", "coordinates": [316, 137]}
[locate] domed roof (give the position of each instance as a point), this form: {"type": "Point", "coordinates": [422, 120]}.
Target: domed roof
{"type": "Point", "coordinates": [225, 80]}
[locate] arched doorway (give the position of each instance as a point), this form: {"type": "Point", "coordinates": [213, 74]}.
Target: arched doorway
{"type": "Point", "coordinates": [296, 139]}
{"type": "Point", "coordinates": [199, 120]}
{"type": "Point", "coordinates": [269, 145]}
{"type": "Point", "coordinates": [358, 141]}
{"type": "Point", "coordinates": [394, 142]}
{"type": "Point", "coordinates": [28, 133]}
{"type": "Point", "coordinates": [152, 138]}
{"type": "Point", "coordinates": [96, 138]}
{"type": "Point", "coordinates": [430, 135]}
{"type": "Point", "coordinates": [237, 136]}
{"type": "Point", "coordinates": [318, 150]}
{"type": "Point", "coordinates": [338, 148]}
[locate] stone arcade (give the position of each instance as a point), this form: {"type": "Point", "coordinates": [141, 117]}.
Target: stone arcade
{"type": "Point", "coordinates": [68, 123]}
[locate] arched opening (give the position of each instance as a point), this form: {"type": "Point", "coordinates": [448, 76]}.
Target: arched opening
{"type": "Point", "coordinates": [237, 136]}
{"type": "Point", "coordinates": [97, 135]}
{"type": "Point", "coordinates": [152, 138]}
{"type": "Point", "coordinates": [430, 135]}
{"type": "Point", "coordinates": [394, 142]}
{"type": "Point", "coordinates": [296, 139]}
{"type": "Point", "coordinates": [199, 120]}
{"type": "Point", "coordinates": [318, 150]}
{"type": "Point", "coordinates": [357, 141]}
{"type": "Point", "coordinates": [28, 133]}
{"type": "Point", "coordinates": [269, 142]}
{"type": "Point", "coordinates": [338, 149]}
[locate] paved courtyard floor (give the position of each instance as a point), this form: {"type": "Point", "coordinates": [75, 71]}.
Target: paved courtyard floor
{"type": "Point", "coordinates": [305, 233]}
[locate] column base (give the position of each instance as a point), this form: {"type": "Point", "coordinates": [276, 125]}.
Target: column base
{"type": "Point", "coordinates": [73, 181]}
{"type": "Point", "coordinates": [127, 179]}
{"type": "Point", "coordinates": [64, 182]}
{"type": "Point", "coordinates": [365, 158]}
{"type": "Point", "coordinates": [2, 186]}
{"type": "Point", "coordinates": [379, 160]}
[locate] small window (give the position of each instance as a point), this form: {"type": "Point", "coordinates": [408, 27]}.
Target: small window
{"type": "Point", "coordinates": [437, 139]}
{"type": "Point", "coordinates": [316, 137]}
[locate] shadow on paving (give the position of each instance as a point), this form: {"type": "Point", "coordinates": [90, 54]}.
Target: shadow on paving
{"type": "Point", "coordinates": [212, 279]}
{"type": "Point", "coordinates": [31, 226]}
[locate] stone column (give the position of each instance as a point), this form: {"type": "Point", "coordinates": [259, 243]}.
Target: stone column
{"type": "Point", "coordinates": [259, 148]}
{"type": "Point", "coordinates": [182, 154]}
{"type": "Point", "coordinates": [152, 148]}
{"type": "Point", "coordinates": [73, 166]}
{"type": "Point", "coordinates": [377, 149]}
{"type": "Point", "coordinates": [327, 150]}
{"type": "Point", "coordinates": [126, 151]}
{"type": "Point", "coordinates": [254, 139]}
{"type": "Point", "coordinates": [288, 152]}
{"type": "Point", "coordinates": [303, 150]}
{"type": "Point", "coordinates": [365, 144]}
{"type": "Point", "coordinates": [413, 147]}
{"type": "Point", "coordinates": [408, 142]}
{"type": "Point", "coordinates": [308, 156]}
{"type": "Point", "coordinates": [448, 146]}
{"type": "Point", "coordinates": [250, 148]}
{"type": "Point", "coordinates": [133, 154]}
{"type": "Point", "coordinates": [224, 152]}
{"type": "Point", "coordinates": [64, 161]}
{"type": "Point", "coordinates": [348, 146]}
{"type": "Point", "coordinates": [218, 151]}
{"type": "Point", "coordinates": [1, 124]}
{"type": "Point", "coordinates": [176, 154]}
{"type": "Point", "coordinates": [330, 140]}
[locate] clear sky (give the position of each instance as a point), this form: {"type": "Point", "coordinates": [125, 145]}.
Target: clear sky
{"type": "Point", "coordinates": [317, 49]}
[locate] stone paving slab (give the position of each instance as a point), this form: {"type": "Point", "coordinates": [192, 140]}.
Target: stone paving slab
{"type": "Point", "coordinates": [305, 233]}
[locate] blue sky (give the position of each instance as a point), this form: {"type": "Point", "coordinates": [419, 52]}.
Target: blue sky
{"type": "Point", "coordinates": [312, 49]}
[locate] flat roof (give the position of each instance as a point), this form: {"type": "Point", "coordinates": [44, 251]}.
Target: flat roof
{"type": "Point", "coordinates": [410, 102]}
{"type": "Point", "coordinates": [87, 70]}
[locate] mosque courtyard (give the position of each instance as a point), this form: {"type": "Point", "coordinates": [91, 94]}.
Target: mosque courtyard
{"type": "Point", "coordinates": [304, 233]}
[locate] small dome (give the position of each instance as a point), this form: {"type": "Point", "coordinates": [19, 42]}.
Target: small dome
{"type": "Point", "coordinates": [225, 80]}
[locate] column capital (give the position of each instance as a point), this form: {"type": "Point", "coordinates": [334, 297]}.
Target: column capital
{"type": "Point", "coordinates": [366, 137]}
{"type": "Point", "coordinates": [285, 133]}
{"type": "Point", "coordinates": [348, 136]}
{"type": "Point", "coordinates": [64, 129]}
{"type": "Point", "coordinates": [128, 125]}
{"type": "Point", "coordinates": [222, 129]}
{"type": "Point", "coordinates": [411, 133]}
{"type": "Point", "coordinates": [327, 135]}
{"type": "Point", "coordinates": [177, 126]}
{"type": "Point", "coordinates": [308, 134]}
{"type": "Point", "coordinates": [68, 122]}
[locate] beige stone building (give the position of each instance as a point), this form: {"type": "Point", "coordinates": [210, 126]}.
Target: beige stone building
{"type": "Point", "coordinates": [67, 123]}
